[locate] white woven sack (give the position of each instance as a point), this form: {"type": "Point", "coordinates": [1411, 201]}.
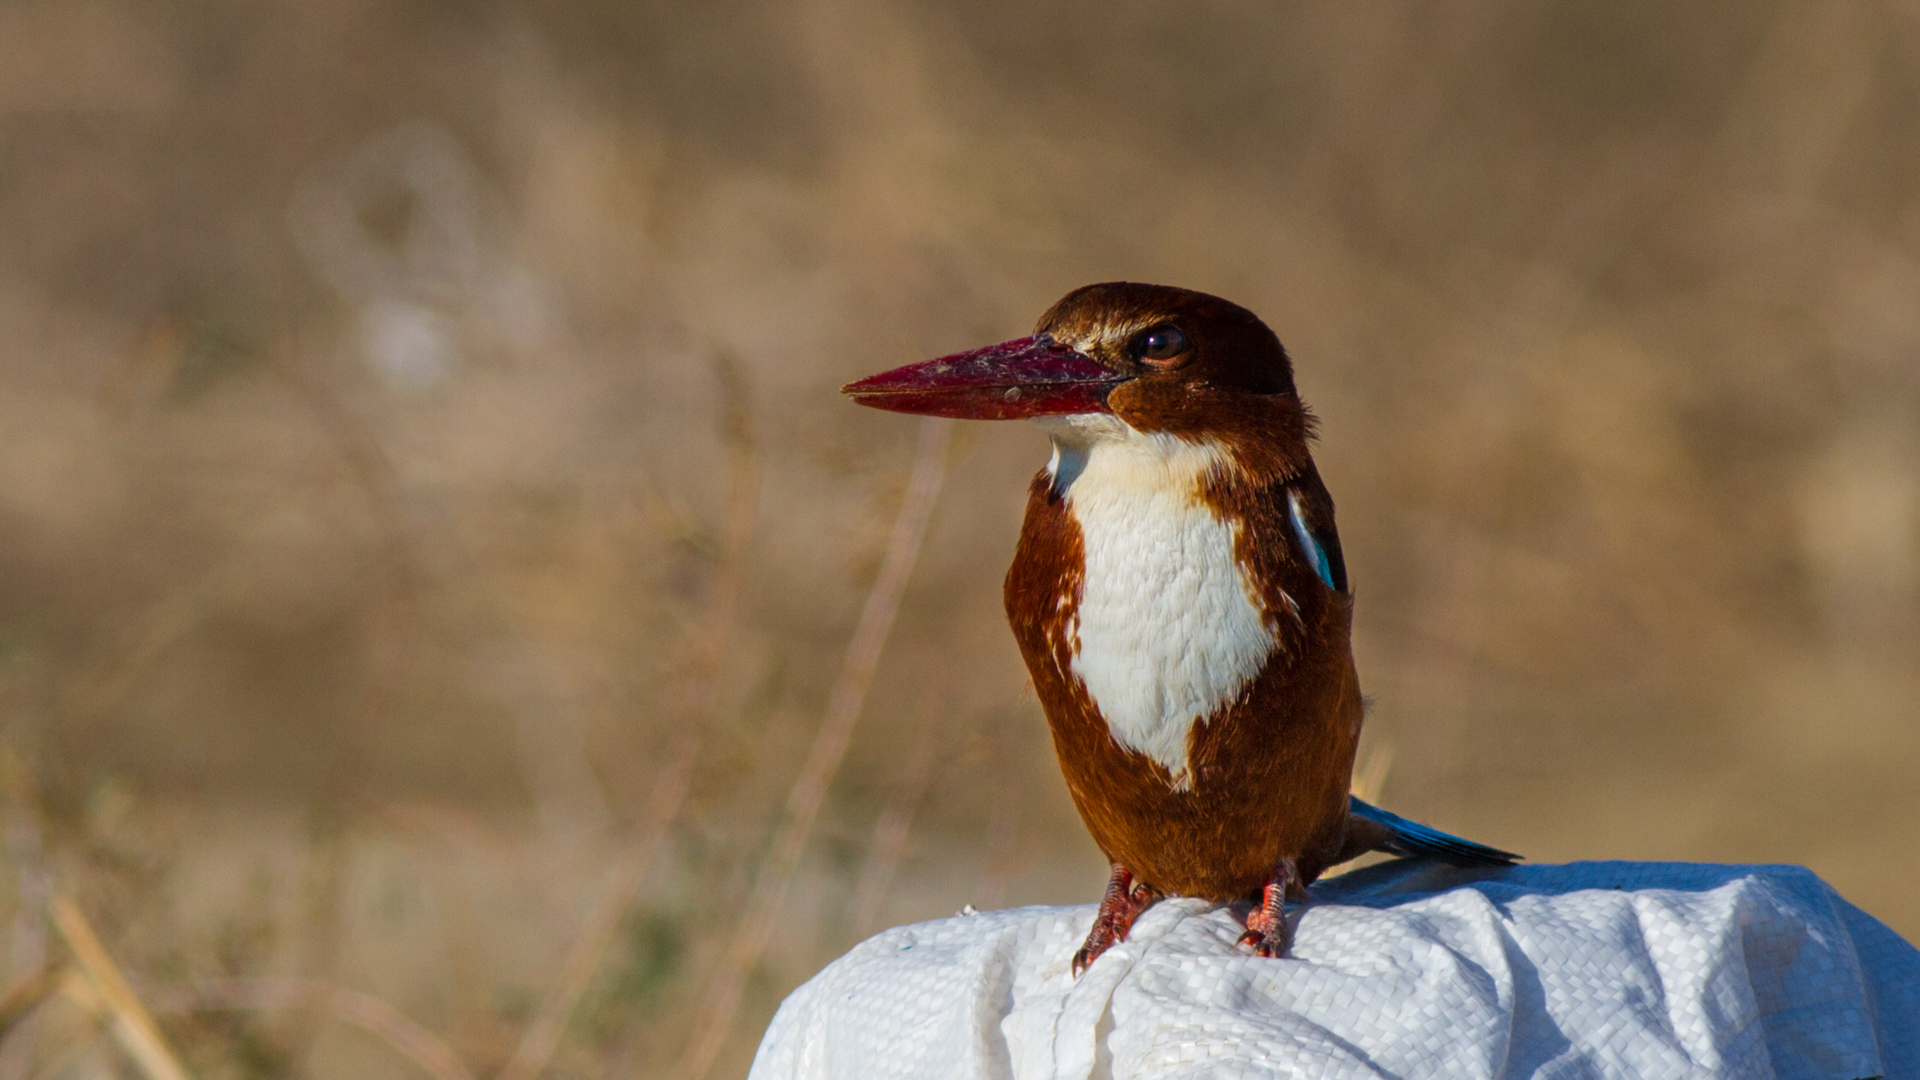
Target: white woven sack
{"type": "Point", "coordinates": [1404, 970]}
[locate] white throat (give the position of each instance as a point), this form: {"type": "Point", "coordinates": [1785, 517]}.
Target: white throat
{"type": "Point", "coordinates": [1168, 628]}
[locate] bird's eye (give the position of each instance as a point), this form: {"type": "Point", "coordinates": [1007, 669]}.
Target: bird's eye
{"type": "Point", "coordinates": [1163, 342]}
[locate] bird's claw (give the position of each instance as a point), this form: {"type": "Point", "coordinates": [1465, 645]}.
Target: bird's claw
{"type": "Point", "coordinates": [1085, 955]}
{"type": "Point", "coordinates": [1124, 901]}
{"type": "Point", "coordinates": [1267, 934]}
{"type": "Point", "coordinates": [1267, 923]}
{"type": "Point", "coordinates": [1107, 932]}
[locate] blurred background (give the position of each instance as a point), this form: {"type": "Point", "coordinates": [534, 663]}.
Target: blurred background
{"type": "Point", "coordinates": [431, 536]}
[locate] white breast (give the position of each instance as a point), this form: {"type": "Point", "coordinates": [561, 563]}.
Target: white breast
{"type": "Point", "coordinates": [1167, 629]}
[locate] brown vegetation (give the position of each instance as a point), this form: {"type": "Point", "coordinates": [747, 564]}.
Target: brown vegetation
{"type": "Point", "coordinates": [420, 451]}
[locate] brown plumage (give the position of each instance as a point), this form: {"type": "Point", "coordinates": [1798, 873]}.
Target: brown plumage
{"type": "Point", "coordinates": [1270, 771]}
{"type": "Point", "coordinates": [1191, 399]}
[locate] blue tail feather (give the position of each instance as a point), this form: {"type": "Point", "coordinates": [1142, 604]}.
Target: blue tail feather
{"type": "Point", "coordinates": [1413, 838]}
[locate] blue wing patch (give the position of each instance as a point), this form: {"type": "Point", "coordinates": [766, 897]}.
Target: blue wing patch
{"type": "Point", "coordinates": [1316, 552]}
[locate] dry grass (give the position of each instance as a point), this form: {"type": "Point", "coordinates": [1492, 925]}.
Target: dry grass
{"type": "Point", "coordinates": [432, 536]}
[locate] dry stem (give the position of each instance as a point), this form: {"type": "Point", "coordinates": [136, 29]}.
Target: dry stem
{"type": "Point", "coordinates": [542, 1037]}
{"type": "Point", "coordinates": [132, 1028]}
{"type": "Point", "coordinates": [889, 841]}
{"type": "Point", "coordinates": [763, 909]}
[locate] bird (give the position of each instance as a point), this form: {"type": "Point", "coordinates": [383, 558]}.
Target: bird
{"type": "Point", "coordinates": [1179, 595]}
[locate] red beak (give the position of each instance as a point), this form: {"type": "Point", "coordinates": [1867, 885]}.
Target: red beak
{"type": "Point", "coordinates": [1029, 376]}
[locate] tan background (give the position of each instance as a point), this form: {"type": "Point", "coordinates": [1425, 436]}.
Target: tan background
{"type": "Point", "coordinates": [374, 378]}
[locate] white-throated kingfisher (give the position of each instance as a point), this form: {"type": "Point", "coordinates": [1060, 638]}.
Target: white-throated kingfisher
{"type": "Point", "coordinates": [1180, 598]}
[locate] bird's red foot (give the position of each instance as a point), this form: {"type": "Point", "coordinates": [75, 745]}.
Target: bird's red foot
{"type": "Point", "coordinates": [1267, 929]}
{"type": "Point", "coordinates": [1267, 933]}
{"type": "Point", "coordinates": [1123, 903]}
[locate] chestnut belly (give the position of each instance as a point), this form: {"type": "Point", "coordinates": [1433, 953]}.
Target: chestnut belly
{"type": "Point", "coordinates": [1252, 802]}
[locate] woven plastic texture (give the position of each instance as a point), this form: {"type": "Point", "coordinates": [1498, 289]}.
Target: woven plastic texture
{"type": "Point", "coordinates": [1405, 970]}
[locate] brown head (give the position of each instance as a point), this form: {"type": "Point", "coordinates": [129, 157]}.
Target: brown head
{"type": "Point", "coordinates": [1164, 360]}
